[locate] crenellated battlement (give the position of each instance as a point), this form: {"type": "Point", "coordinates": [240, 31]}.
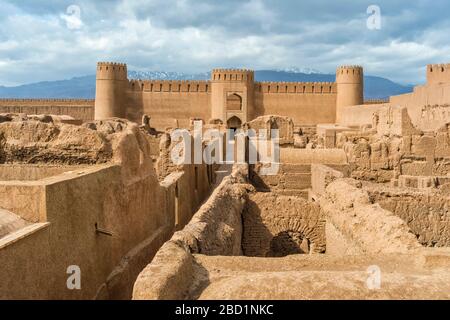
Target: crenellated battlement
{"type": "Point", "coordinates": [351, 74]}
{"type": "Point", "coordinates": [112, 71]}
{"type": "Point", "coordinates": [45, 102]}
{"type": "Point", "coordinates": [170, 85]}
{"type": "Point", "coordinates": [241, 75]}
{"type": "Point", "coordinates": [438, 73]}
{"type": "Point", "coordinates": [349, 68]}
{"type": "Point", "coordinates": [295, 87]}
{"type": "Point", "coordinates": [114, 64]}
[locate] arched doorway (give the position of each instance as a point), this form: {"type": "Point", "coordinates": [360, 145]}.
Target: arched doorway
{"type": "Point", "coordinates": [234, 123]}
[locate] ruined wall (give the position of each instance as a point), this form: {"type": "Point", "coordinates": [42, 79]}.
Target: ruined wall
{"type": "Point", "coordinates": [215, 229]}
{"type": "Point", "coordinates": [30, 172]}
{"type": "Point", "coordinates": [29, 141]}
{"type": "Point", "coordinates": [290, 179]}
{"type": "Point", "coordinates": [322, 176]}
{"type": "Point", "coordinates": [82, 109]}
{"type": "Point", "coordinates": [425, 211]}
{"type": "Point", "coordinates": [294, 170]}
{"type": "Point", "coordinates": [276, 225]}
{"type": "Point", "coordinates": [305, 103]}
{"type": "Point", "coordinates": [355, 225]}
{"type": "Point", "coordinates": [264, 125]}
{"type": "Point", "coordinates": [396, 147]}
{"type": "Point", "coordinates": [122, 197]}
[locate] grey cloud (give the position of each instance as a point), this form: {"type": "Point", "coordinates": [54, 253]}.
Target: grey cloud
{"type": "Point", "coordinates": [196, 35]}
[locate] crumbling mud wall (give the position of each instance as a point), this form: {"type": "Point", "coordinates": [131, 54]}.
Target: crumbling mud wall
{"type": "Point", "coordinates": [108, 217]}
{"type": "Point", "coordinates": [425, 211]}
{"type": "Point", "coordinates": [264, 125]}
{"type": "Point", "coordinates": [45, 140]}
{"type": "Point", "coordinates": [355, 225]}
{"type": "Point", "coordinates": [293, 176]}
{"type": "Point", "coordinates": [215, 229]}
{"type": "Point", "coordinates": [395, 147]}
{"type": "Point", "coordinates": [276, 225]}
{"type": "Point", "coordinates": [322, 176]}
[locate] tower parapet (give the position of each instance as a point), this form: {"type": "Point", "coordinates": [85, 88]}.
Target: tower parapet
{"type": "Point", "coordinates": [350, 88]}
{"type": "Point", "coordinates": [111, 85]}
{"type": "Point", "coordinates": [438, 73]}
{"type": "Point", "coordinates": [232, 75]}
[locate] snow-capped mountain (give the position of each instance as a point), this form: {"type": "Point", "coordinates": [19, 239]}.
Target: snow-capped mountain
{"type": "Point", "coordinates": [84, 87]}
{"type": "Point", "coordinates": [164, 75]}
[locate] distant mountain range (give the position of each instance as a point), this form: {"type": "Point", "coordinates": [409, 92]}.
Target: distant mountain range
{"type": "Point", "coordinates": [84, 87]}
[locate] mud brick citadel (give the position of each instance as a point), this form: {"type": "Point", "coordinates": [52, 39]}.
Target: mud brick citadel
{"type": "Point", "coordinates": [231, 96]}
{"type": "Point", "coordinates": [359, 208]}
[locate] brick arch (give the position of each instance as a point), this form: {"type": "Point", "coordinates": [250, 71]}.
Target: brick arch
{"type": "Point", "coordinates": [267, 215]}
{"type": "Point", "coordinates": [314, 233]}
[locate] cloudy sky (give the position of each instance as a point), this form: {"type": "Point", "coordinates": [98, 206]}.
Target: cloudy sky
{"type": "Point", "coordinates": [54, 39]}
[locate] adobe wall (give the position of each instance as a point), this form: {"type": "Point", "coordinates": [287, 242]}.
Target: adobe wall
{"type": "Point", "coordinates": [355, 225]}
{"type": "Point", "coordinates": [304, 102]}
{"type": "Point", "coordinates": [123, 196]}
{"type": "Point", "coordinates": [360, 115]}
{"type": "Point", "coordinates": [428, 105]}
{"type": "Point", "coordinates": [422, 210]}
{"type": "Point", "coordinates": [290, 179]}
{"type": "Point", "coordinates": [169, 103]}
{"type": "Point", "coordinates": [226, 83]}
{"type": "Point", "coordinates": [215, 229]}
{"type": "Point", "coordinates": [14, 172]}
{"type": "Point", "coordinates": [325, 277]}
{"type": "Point", "coordinates": [82, 109]}
{"type": "Point", "coordinates": [294, 172]}
{"type": "Point", "coordinates": [173, 103]}
{"type": "Point", "coordinates": [396, 147]}
{"type": "Point", "coordinates": [264, 125]}
{"type": "Point", "coordinates": [322, 176]}
{"type": "Point", "coordinates": [276, 225]}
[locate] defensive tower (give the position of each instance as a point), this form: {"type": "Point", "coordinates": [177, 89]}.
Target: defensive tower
{"type": "Point", "coordinates": [438, 73]}
{"type": "Point", "coordinates": [232, 95]}
{"type": "Point", "coordinates": [350, 86]}
{"type": "Point", "coordinates": [111, 86]}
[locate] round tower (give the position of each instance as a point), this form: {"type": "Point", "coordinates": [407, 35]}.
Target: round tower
{"type": "Point", "coordinates": [232, 95]}
{"type": "Point", "coordinates": [350, 88]}
{"type": "Point", "coordinates": [111, 85]}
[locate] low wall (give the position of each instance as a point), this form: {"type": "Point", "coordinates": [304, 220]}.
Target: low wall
{"type": "Point", "coordinates": [310, 156]}
{"type": "Point", "coordinates": [364, 226]}
{"type": "Point", "coordinates": [294, 174]}
{"type": "Point", "coordinates": [322, 176]}
{"type": "Point", "coordinates": [215, 229]}
{"type": "Point", "coordinates": [291, 179]}
{"type": "Point", "coordinates": [359, 115]}
{"type": "Point", "coordinates": [16, 172]}
{"type": "Point", "coordinates": [423, 210]}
